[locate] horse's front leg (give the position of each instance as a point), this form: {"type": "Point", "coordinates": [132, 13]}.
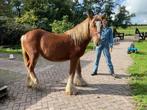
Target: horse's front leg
{"type": "Point", "coordinates": [78, 80]}
{"type": "Point", "coordinates": [70, 89]}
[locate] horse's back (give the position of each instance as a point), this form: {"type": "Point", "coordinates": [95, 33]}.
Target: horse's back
{"type": "Point", "coordinates": [32, 35]}
{"type": "Point", "coordinates": [51, 46]}
{"type": "Point", "coordinates": [30, 41]}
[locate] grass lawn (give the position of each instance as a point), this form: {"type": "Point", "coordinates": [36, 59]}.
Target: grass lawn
{"type": "Point", "coordinates": [90, 46]}
{"type": "Point", "coordinates": [138, 73]}
{"type": "Point", "coordinates": [17, 49]}
{"type": "Point", "coordinates": [130, 30]}
{"type": "Point", "coordinates": [10, 49]}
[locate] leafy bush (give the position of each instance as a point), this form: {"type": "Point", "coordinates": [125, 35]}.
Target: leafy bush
{"type": "Point", "coordinates": [61, 26]}
{"type": "Point", "coordinates": [10, 32]}
{"type": "Point", "coordinates": [28, 18]}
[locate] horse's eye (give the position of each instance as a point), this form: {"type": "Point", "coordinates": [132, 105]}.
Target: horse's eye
{"type": "Point", "coordinates": [93, 25]}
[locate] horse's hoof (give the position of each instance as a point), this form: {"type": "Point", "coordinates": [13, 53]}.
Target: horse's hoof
{"type": "Point", "coordinates": [68, 93]}
{"type": "Point", "coordinates": [80, 83]}
{"type": "Point", "coordinates": [29, 86]}
{"type": "Point", "coordinates": [32, 85]}
{"type": "Point", "coordinates": [71, 93]}
{"type": "Point", "coordinates": [35, 82]}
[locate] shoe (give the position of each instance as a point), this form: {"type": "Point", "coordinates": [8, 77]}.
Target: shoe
{"type": "Point", "coordinates": [93, 74]}
{"type": "Point", "coordinates": [114, 75]}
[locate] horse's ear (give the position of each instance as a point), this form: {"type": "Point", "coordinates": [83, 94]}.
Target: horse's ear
{"type": "Point", "coordinates": [90, 14]}
{"type": "Point", "coordinates": [98, 18]}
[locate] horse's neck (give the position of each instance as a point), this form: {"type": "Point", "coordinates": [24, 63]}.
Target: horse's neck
{"type": "Point", "coordinates": [84, 44]}
{"type": "Point", "coordinates": [80, 34]}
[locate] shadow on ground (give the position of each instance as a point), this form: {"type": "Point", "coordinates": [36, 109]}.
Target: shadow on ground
{"type": "Point", "coordinates": [51, 81]}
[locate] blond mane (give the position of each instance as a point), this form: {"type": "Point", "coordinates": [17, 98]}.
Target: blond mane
{"type": "Point", "coordinates": [79, 32]}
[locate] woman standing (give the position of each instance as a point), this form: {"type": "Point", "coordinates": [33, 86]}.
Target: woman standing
{"type": "Point", "coordinates": [105, 46]}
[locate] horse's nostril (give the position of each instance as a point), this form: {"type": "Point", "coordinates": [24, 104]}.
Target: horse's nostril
{"type": "Point", "coordinates": [97, 44]}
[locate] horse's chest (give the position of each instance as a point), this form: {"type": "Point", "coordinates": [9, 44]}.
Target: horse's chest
{"type": "Point", "coordinates": [77, 52]}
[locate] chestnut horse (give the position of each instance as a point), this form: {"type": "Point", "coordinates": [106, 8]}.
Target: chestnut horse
{"type": "Point", "coordinates": [70, 45]}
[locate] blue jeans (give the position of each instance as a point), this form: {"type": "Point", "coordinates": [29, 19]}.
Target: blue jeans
{"type": "Point", "coordinates": [105, 49]}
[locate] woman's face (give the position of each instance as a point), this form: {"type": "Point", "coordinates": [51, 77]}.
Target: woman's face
{"type": "Point", "coordinates": [104, 22]}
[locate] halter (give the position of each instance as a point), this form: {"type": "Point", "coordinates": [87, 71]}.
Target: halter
{"type": "Point", "coordinates": [94, 33]}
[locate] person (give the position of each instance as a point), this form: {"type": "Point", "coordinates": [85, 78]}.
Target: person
{"type": "Point", "coordinates": [114, 32]}
{"type": "Point", "coordinates": [137, 34]}
{"type": "Point", "coordinates": [132, 48]}
{"type": "Point", "coordinates": [115, 39]}
{"type": "Point", "coordinates": [106, 46]}
{"type": "Point", "coordinates": [137, 31]}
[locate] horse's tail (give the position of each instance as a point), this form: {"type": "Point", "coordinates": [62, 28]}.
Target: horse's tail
{"type": "Point", "coordinates": [24, 53]}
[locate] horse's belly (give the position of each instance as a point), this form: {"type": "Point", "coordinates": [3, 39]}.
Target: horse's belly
{"type": "Point", "coordinates": [55, 55]}
{"type": "Point", "coordinates": [56, 58]}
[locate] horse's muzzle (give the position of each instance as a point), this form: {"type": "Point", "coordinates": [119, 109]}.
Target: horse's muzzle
{"type": "Point", "coordinates": [98, 43]}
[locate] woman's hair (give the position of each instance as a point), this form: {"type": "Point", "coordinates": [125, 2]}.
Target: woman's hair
{"type": "Point", "coordinates": [104, 17]}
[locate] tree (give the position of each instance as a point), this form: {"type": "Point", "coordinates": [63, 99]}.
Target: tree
{"type": "Point", "coordinates": [10, 31]}
{"type": "Point", "coordinates": [28, 18]}
{"type": "Point", "coordinates": [122, 18]}
{"type": "Point", "coordinates": [61, 26]}
{"type": "Point", "coordinates": [43, 12]}
{"type": "Point", "coordinates": [17, 6]}
{"type": "Point", "coordinates": [106, 7]}
{"type": "Point", "coordinates": [108, 10]}
{"type": "Point", "coordinates": [94, 5]}
{"type": "Point", "coordinates": [5, 8]}
{"type": "Point", "coordinates": [77, 12]}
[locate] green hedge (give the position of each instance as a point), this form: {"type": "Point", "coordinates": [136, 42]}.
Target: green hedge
{"type": "Point", "coordinates": [10, 33]}
{"type": "Point", "coordinates": [61, 26]}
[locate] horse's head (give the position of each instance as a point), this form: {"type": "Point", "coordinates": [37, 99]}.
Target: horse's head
{"type": "Point", "coordinates": [95, 28]}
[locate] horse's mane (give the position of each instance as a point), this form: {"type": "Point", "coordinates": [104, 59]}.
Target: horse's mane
{"type": "Point", "coordinates": [80, 32]}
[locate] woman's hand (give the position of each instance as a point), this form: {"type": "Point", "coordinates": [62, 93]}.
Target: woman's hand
{"type": "Point", "coordinates": [110, 49]}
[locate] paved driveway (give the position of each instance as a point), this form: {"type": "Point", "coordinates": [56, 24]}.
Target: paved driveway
{"type": "Point", "coordinates": [102, 93]}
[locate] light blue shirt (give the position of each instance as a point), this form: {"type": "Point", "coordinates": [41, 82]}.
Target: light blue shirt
{"type": "Point", "coordinates": [107, 36]}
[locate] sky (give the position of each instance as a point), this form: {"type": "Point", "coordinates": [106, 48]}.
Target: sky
{"type": "Point", "coordinates": [139, 7]}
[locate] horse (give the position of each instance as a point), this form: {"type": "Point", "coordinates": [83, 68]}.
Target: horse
{"type": "Point", "coordinates": [69, 45]}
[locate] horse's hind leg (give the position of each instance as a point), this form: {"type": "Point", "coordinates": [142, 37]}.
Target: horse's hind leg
{"type": "Point", "coordinates": [26, 62]}
{"type": "Point", "coordinates": [78, 80]}
{"type": "Point", "coordinates": [32, 76]}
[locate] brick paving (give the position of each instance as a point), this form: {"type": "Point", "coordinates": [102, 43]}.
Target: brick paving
{"type": "Point", "coordinates": [102, 93]}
